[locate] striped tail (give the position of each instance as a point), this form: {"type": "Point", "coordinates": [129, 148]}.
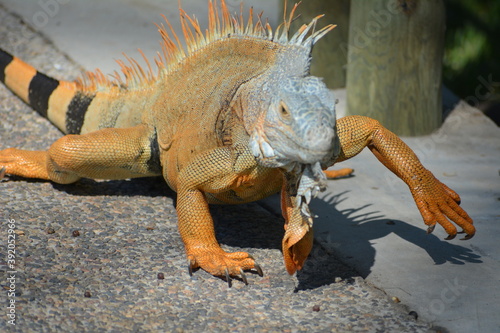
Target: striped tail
{"type": "Point", "coordinates": [53, 99]}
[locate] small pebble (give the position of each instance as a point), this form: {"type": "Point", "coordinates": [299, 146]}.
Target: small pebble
{"type": "Point", "coordinates": [161, 276]}
{"type": "Point", "coordinates": [413, 314]}
{"type": "Point", "coordinates": [395, 299]}
{"type": "Point", "coordinates": [76, 233]}
{"type": "Point", "coordinates": [50, 231]}
{"type": "Point", "coordinates": [87, 294]}
{"type": "Point", "coordinates": [316, 308]}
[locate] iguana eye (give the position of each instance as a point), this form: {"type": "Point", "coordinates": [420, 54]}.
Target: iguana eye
{"type": "Point", "coordinates": [284, 112]}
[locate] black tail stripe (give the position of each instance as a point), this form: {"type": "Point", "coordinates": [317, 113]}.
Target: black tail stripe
{"type": "Point", "coordinates": [5, 60]}
{"type": "Point", "coordinates": [76, 112]}
{"type": "Point", "coordinates": [40, 89]}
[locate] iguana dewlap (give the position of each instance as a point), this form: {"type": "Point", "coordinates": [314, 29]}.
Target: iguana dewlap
{"type": "Point", "coordinates": [233, 118]}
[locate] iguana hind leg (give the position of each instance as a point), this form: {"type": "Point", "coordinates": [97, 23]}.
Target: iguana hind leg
{"type": "Point", "coordinates": [109, 153]}
{"type": "Point", "coordinates": [436, 202]}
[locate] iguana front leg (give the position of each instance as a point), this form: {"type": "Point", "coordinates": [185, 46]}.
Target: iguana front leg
{"type": "Point", "coordinates": [216, 171]}
{"type": "Point", "coordinates": [436, 202]}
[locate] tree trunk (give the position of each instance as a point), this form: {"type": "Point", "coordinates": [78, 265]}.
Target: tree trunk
{"type": "Point", "coordinates": [394, 63]}
{"type": "Point", "coordinates": [330, 54]}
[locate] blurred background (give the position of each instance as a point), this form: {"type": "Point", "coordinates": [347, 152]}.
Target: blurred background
{"type": "Point", "coordinates": [466, 45]}
{"type": "Point", "coordinates": [392, 54]}
{"type": "Point", "coordinates": [472, 49]}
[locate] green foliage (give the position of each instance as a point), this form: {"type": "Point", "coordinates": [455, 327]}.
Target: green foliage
{"type": "Point", "coordinates": [472, 46]}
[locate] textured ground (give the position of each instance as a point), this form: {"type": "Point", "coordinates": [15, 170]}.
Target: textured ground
{"type": "Point", "coordinates": [110, 239]}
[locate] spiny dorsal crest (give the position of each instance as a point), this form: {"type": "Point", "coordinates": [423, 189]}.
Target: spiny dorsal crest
{"type": "Point", "coordinates": [221, 25]}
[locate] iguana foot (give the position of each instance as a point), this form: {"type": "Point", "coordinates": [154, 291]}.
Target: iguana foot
{"type": "Point", "coordinates": [23, 163]}
{"type": "Point", "coordinates": [223, 264]}
{"type": "Point", "coordinates": [440, 204]}
{"type": "Point", "coordinates": [341, 173]}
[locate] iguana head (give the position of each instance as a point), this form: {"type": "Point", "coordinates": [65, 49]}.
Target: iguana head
{"type": "Point", "coordinates": [298, 125]}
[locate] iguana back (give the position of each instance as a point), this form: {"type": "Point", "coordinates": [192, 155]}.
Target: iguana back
{"type": "Point", "coordinates": [186, 100]}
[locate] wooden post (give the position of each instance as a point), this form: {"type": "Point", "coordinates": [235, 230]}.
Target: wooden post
{"type": "Point", "coordinates": [394, 63]}
{"type": "Point", "coordinates": [330, 54]}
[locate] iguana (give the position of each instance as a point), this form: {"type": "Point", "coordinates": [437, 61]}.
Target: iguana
{"type": "Point", "coordinates": [232, 117]}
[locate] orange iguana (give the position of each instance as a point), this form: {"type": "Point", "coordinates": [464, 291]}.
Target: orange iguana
{"type": "Point", "coordinates": [232, 118]}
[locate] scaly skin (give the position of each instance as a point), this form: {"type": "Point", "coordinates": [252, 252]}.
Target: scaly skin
{"type": "Point", "coordinates": [234, 120]}
{"type": "Point", "coordinates": [436, 202]}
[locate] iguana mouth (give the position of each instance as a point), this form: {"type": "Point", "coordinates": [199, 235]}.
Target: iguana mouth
{"type": "Point", "coordinates": [309, 176]}
{"type": "Point", "coordinates": [292, 152]}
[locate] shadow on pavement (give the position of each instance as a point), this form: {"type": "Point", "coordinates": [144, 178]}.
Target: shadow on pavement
{"type": "Point", "coordinates": [355, 230]}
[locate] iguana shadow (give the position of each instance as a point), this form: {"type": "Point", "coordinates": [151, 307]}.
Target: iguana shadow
{"type": "Point", "coordinates": [147, 186]}
{"type": "Point", "coordinates": [354, 232]}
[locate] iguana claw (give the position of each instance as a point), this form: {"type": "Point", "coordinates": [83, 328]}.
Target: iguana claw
{"type": "Point", "coordinates": [430, 229]}
{"type": "Point", "coordinates": [259, 270]}
{"type": "Point", "coordinates": [466, 237]}
{"type": "Point", "coordinates": [450, 237]}
{"type": "Point", "coordinates": [2, 173]}
{"type": "Point", "coordinates": [228, 277]}
{"type": "Point", "coordinates": [243, 277]}
{"type": "Point", "coordinates": [190, 267]}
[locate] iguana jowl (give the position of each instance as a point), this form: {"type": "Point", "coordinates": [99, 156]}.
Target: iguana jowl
{"type": "Point", "coordinates": [233, 118]}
